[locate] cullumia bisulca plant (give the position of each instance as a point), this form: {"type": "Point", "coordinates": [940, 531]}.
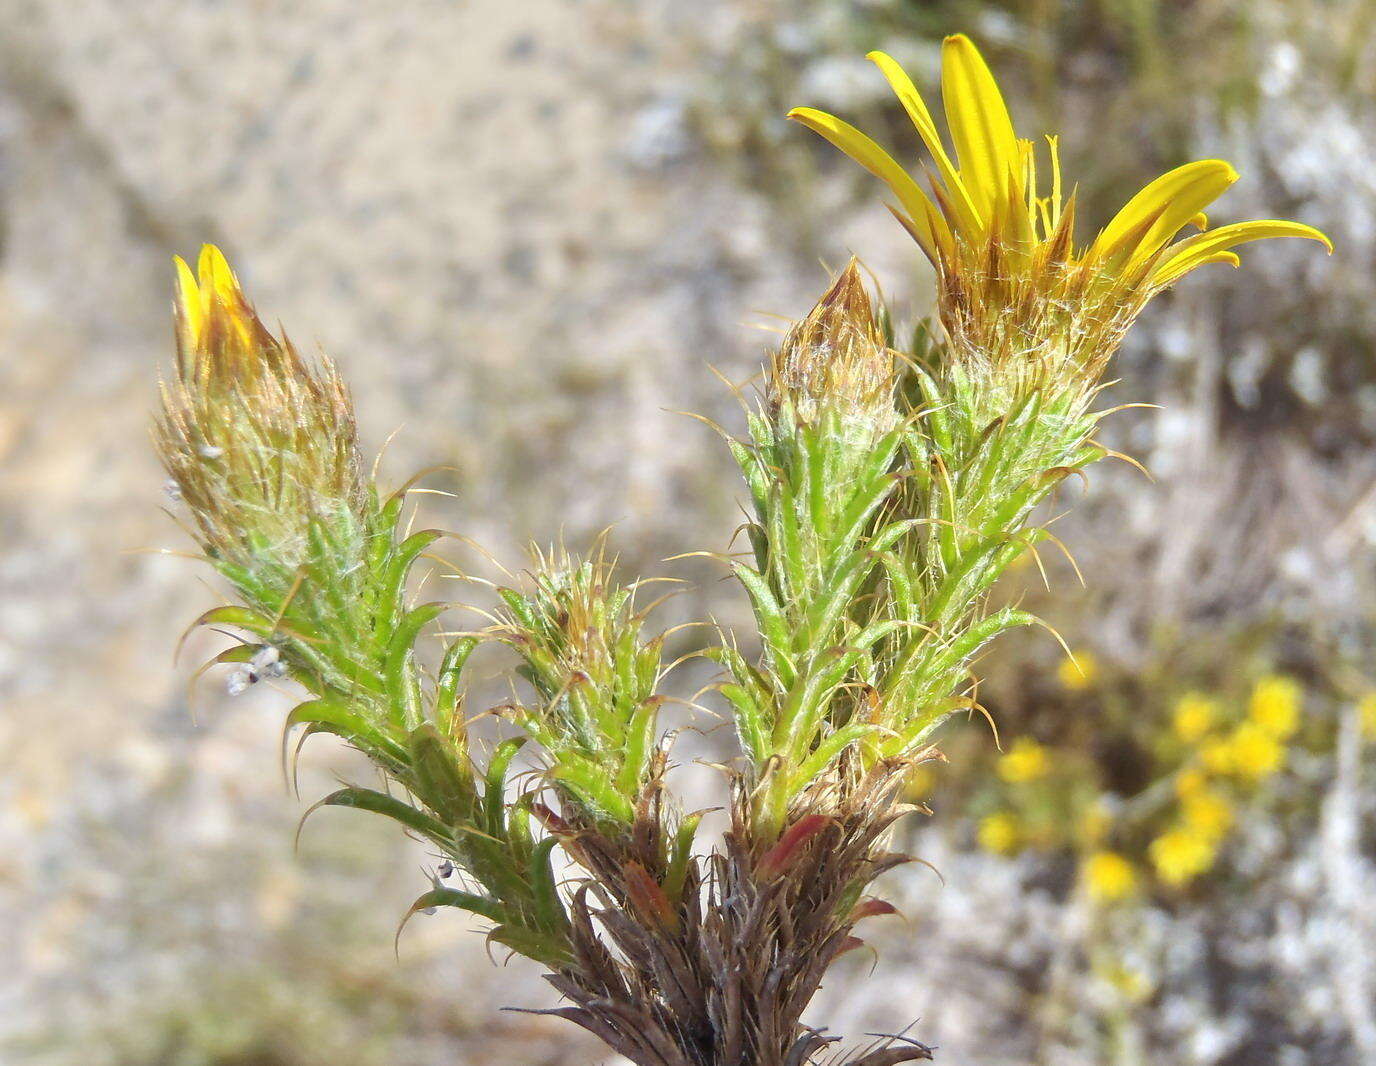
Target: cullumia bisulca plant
{"type": "Point", "coordinates": [889, 491]}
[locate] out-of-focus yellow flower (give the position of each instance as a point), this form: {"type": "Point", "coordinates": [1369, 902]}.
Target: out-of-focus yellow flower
{"type": "Point", "coordinates": [1194, 717]}
{"type": "Point", "coordinates": [1078, 672]}
{"type": "Point", "coordinates": [1131, 984]}
{"type": "Point", "coordinates": [1218, 755]}
{"type": "Point", "coordinates": [1108, 877]}
{"type": "Point", "coordinates": [1208, 814]}
{"type": "Point", "coordinates": [1366, 711]}
{"type": "Point", "coordinates": [1025, 761]}
{"type": "Point", "coordinates": [1095, 823]}
{"type": "Point", "coordinates": [1256, 754]}
{"type": "Point", "coordinates": [921, 782]}
{"type": "Point", "coordinates": [1000, 833]}
{"type": "Point", "coordinates": [1190, 781]}
{"type": "Point", "coordinates": [1275, 706]}
{"type": "Point", "coordinates": [1128, 981]}
{"type": "Point", "coordinates": [1181, 855]}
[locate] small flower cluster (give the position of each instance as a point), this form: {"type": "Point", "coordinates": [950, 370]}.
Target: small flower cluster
{"type": "Point", "coordinates": [1213, 757]}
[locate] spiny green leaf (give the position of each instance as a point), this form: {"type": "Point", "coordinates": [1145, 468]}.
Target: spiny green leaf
{"type": "Point", "coordinates": [494, 795]}
{"type": "Point", "coordinates": [366, 799]}
{"type": "Point", "coordinates": [443, 778]}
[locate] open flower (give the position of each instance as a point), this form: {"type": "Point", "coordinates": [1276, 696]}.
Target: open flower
{"type": "Point", "coordinates": [1181, 855]}
{"type": "Point", "coordinates": [1256, 753]}
{"type": "Point", "coordinates": [1274, 706]}
{"type": "Point", "coordinates": [1366, 714]}
{"type": "Point", "coordinates": [1078, 672]}
{"type": "Point", "coordinates": [1013, 281]}
{"type": "Point", "coordinates": [1026, 761]}
{"type": "Point", "coordinates": [1108, 877]}
{"type": "Point", "coordinates": [1208, 814]}
{"type": "Point", "coordinates": [1194, 717]}
{"type": "Point", "coordinates": [999, 833]}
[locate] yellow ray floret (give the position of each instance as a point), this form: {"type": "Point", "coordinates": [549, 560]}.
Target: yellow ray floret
{"type": "Point", "coordinates": [985, 200]}
{"type": "Point", "coordinates": [210, 301]}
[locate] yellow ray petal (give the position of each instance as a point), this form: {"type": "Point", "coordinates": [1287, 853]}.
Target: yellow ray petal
{"type": "Point", "coordinates": [1157, 213]}
{"type": "Point", "coordinates": [878, 162]}
{"type": "Point", "coordinates": [190, 315]}
{"type": "Point", "coordinates": [216, 276]}
{"type": "Point", "coordinates": [221, 298]}
{"type": "Point", "coordinates": [1231, 258]}
{"type": "Point", "coordinates": [1053, 144]}
{"type": "Point", "coordinates": [986, 146]}
{"type": "Point", "coordinates": [921, 118]}
{"type": "Point", "coordinates": [1204, 247]}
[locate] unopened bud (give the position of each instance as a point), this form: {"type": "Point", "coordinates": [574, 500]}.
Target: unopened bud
{"type": "Point", "coordinates": [835, 359]}
{"type": "Point", "coordinates": [258, 441]}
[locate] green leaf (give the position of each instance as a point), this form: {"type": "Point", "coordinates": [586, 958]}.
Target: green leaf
{"type": "Point", "coordinates": [680, 855]}
{"type": "Point", "coordinates": [494, 795]}
{"type": "Point", "coordinates": [520, 607]}
{"type": "Point", "coordinates": [980, 633]}
{"type": "Point", "coordinates": [402, 687]}
{"type": "Point", "coordinates": [366, 799]}
{"type": "Point", "coordinates": [551, 951]}
{"type": "Point", "coordinates": [640, 740]}
{"type": "Point", "coordinates": [769, 617]}
{"type": "Point", "coordinates": [447, 684]}
{"type": "Point", "coordinates": [590, 783]}
{"type": "Point", "coordinates": [340, 718]}
{"type": "Point", "coordinates": [483, 906]}
{"type": "Point", "coordinates": [826, 751]}
{"type": "Point", "coordinates": [394, 577]}
{"type": "Point", "coordinates": [548, 907]}
{"type": "Point", "coordinates": [444, 781]}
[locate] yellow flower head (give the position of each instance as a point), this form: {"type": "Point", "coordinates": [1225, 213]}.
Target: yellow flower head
{"type": "Point", "coordinates": [1131, 984]}
{"type": "Point", "coordinates": [1025, 761]}
{"type": "Point", "coordinates": [1366, 712]}
{"type": "Point", "coordinates": [211, 309]}
{"type": "Point", "coordinates": [920, 783]}
{"type": "Point", "coordinates": [1190, 782]}
{"type": "Point", "coordinates": [1275, 706]}
{"type": "Point", "coordinates": [1218, 755]}
{"type": "Point", "coordinates": [1256, 754]}
{"type": "Point", "coordinates": [1194, 717]}
{"type": "Point", "coordinates": [1108, 877]}
{"type": "Point", "coordinates": [1014, 283]}
{"type": "Point", "coordinates": [1181, 855]}
{"type": "Point", "coordinates": [1095, 822]}
{"type": "Point", "coordinates": [1079, 672]}
{"type": "Point", "coordinates": [1208, 814]}
{"type": "Point", "coordinates": [1000, 833]}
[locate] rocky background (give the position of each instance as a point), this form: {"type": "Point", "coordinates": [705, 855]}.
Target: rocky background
{"type": "Point", "coordinates": [525, 231]}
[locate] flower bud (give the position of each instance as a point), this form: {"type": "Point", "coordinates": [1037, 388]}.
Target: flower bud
{"type": "Point", "coordinates": [835, 361]}
{"type": "Point", "coordinates": [259, 442]}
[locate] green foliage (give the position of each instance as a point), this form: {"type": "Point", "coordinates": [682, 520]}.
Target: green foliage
{"type": "Point", "coordinates": [595, 678]}
{"type": "Point", "coordinates": [889, 490]}
{"type": "Point", "coordinates": [876, 543]}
